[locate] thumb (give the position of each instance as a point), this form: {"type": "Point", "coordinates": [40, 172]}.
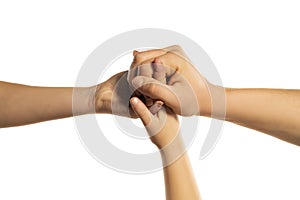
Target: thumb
{"type": "Point", "coordinates": [141, 110]}
{"type": "Point", "coordinates": [154, 89]}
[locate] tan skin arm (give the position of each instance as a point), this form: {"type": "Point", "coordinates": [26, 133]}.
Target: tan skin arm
{"type": "Point", "coordinates": [272, 111]}
{"type": "Point", "coordinates": [21, 104]}
{"type": "Point", "coordinates": [179, 179]}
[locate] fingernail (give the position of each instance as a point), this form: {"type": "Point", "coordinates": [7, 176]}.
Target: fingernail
{"type": "Point", "coordinates": [159, 102]}
{"type": "Point", "coordinates": [137, 82]}
{"type": "Point", "coordinates": [134, 100]}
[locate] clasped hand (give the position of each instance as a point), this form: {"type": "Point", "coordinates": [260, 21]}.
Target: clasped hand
{"type": "Point", "coordinates": [156, 77]}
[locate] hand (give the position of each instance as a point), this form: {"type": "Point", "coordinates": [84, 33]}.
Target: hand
{"type": "Point", "coordinates": [186, 91]}
{"type": "Point", "coordinates": [162, 127]}
{"type": "Point", "coordinates": [113, 95]}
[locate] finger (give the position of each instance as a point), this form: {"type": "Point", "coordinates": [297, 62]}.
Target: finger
{"type": "Point", "coordinates": [138, 68]}
{"type": "Point", "coordinates": [155, 90]}
{"type": "Point", "coordinates": [131, 74]}
{"type": "Point", "coordinates": [150, 54]}
{"type": "Point", "coordinates": [141, 110]}
{"type": "Point", "coordinates": [134, 61]}
{"type": "Point", "coordinates": [135, 52]}
{"type": "Point", "coordinates": [171, 62]}
{"type": "Point", "coordinates": [159, 71]}
{"type": "Point", "coordinates": [140, 58]}
{"type": "Point", "coordinates": [158, 122]}
{"type": "Point", "coordinates": [145, 70]}
{"type": "Point", "coordinates": [133, 64]}
{"type": "Point", "coordinates": [156, 107]}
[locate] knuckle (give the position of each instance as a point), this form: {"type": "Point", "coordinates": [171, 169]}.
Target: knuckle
{"type": "Point", "coordinates": [151, 88]}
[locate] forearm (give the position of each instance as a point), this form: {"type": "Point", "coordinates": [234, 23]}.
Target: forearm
{"type": "Point", "coordinates": [179, 178]}
{"type": "Point", "coordinates": [272, 111]}
{"type": "Point", "coordinates": [20, 104]}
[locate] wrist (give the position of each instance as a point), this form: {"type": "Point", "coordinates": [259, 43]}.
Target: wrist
{"type": "Point", "coordinates": [213, 104]}
{"type": "Point", "coordinates": [83, 100]}
{"type": "Point", "coordinates": [235, 104]}
{"type": "Point", "coordinates": [164, 139]}
{"type": "Point", "coordinates": [173, 150]}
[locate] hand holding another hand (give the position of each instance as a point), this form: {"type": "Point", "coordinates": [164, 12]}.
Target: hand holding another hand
{"type": "Point", "coordinates": [113, 95]}
{"type": "Point", "coordinates": [186, 91]}
{"type": "Point", "coordinates": [162, 127]}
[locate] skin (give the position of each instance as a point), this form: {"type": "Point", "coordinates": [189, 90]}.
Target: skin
{"type": "Point", "coordinates": [272, 111]}
{"type": "Point", "coordinates": [163, 128]}
{"type": "Point", "coordinates": [22, 104]}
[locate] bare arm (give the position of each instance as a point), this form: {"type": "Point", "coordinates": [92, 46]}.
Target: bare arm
{"type": "Point", "coordinates": [272, 111]}
{"type": "Point", "coordinates": [179, 178]}
{"type": "Point", "coordinates": [164, 129]}
{"type": "Point", "coordinates": [21, 104]}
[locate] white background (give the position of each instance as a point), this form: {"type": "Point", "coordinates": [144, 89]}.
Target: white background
{"type": "Point", "coordinates": [252, 43]}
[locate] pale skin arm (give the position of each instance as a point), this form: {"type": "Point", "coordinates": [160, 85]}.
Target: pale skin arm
{"type": "Point", "coordinates": [21, 104]}
{"type": "Point", "coordinates": [272, 111]}
{"type": "Point", "coordinates": [179, 179]}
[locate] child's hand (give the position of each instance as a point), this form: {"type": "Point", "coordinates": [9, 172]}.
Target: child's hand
{"type": "Point", "coordinates": [162, 127]}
